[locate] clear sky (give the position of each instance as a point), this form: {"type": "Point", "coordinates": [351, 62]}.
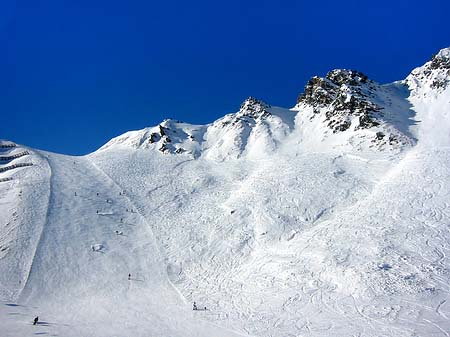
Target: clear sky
{"type": "Point", "coordinates": [75, 73]}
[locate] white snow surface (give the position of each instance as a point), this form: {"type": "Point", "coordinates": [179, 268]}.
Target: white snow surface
{"type": "Point", "coordinates": [276, 225]}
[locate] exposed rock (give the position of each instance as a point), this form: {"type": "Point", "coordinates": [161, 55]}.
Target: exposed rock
{"type": "Point", "coordinates": [379, 135]}
{"type": "Point", "coordinates": [164, 149]}
{"type": "Point", "coordinates": [435, 73]}
{"type": "Point", "coordinates": [162, 130]}
{"type": "Point", "coordinates": [180, 150]}
{"type": "Point", "coordinates": [341, 96]}
{"type": "Point", "coordinates": [253, 108]}
{"type": "Point", "coordinates": [317, 92]}
{"type": "Point", "coordinates": [344, 76]}
{"type": "Point", "coordinates": [440, 61]}
{"type": "Point", "coordinates": [154, 137]}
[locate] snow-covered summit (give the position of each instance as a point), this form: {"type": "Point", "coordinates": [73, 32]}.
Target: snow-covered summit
{"type": "Point", "coordinates": [255, 131]}
{"type": "Point", "coordinates": [433, 77]}
{"type": "Point", "coordinates": [168, 137]}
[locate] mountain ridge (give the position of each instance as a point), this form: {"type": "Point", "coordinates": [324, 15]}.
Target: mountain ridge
{"type": "Point", "coordinates": [328, 218]}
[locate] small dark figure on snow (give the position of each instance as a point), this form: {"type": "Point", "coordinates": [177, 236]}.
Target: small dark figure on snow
{"type": "Point", "coordinates": [129, 276]}
{"type": "Point", "coordinates": [97, 211]}
{"type": "Point", "coordinates": [36, 319]}
{"type": "Point", "coordinates": [75, 193]}
{"type": "Point", "coordinates": [194, 306]}
{"type": "Point", "coordinates": [97, 193]}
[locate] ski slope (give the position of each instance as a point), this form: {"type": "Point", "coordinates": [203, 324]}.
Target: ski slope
{"type": "Point", "coordinates": [327, 219]}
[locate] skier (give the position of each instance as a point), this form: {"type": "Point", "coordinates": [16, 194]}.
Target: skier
{"type": "Point", "coordinates": [194, 306]}
{"type": "Point", "coordinates": [129, 276]}
{"type": "Point", "coordinates": [35, 320]}
{"type": "Point", "coordinates": [93, 248]}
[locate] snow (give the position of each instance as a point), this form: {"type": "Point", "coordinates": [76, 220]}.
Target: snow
{"type": "Point", "coordinates": [275, 224]}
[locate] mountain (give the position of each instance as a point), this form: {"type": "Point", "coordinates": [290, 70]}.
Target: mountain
{"type": "Point", "coordinates": [330, 218]}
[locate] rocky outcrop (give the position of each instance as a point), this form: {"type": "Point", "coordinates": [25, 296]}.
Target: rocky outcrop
{"type": "Point", "coordinates": [341, 96]}
{"type": "Point", "coordinates": [435, 74]}
{"type": "Point", "coordinates": [250, 111]}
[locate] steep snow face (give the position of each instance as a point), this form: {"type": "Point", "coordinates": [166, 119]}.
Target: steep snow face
{"type": "Point", "coordinates": [330, 218]}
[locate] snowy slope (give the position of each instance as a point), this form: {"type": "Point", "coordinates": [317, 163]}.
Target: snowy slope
{"type": "Point", "coordinates": [327, 219]}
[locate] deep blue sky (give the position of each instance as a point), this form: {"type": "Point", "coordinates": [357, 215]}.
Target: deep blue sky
{"type": "Point", "coordinates": [75, 73]}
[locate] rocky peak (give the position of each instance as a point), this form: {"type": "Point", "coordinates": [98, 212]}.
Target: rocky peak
{"type": "Point", "coordinates": [441, 60]}
{"type": "Point", "coordinates": [435, 74]}
{"type": "Point", "coordinates": [348, 77]}
{"type": "Point", "coordinates": [253, 108]}
{"type": "Point", "coordinates": [341, 96]}
{"type": "Point", "coordinates": [251, 111]}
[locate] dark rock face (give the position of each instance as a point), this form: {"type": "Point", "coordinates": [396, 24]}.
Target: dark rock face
{"type": "Point", "coordinates": [154, 137]}
{"type": "Point", "coordinates": [350, 77]}
{"type": "Point", "coordinates": [439, 62]}
{"type": "Point", "coordinates": [317, 92]}
{"type": "Point", "coordinates": [163, 138]}
{"type": "Point", "coordinates": [341, 94]}
{"type": "Point", "coordinates": [437, 70]}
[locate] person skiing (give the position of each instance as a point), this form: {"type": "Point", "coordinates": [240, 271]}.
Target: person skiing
{"type": "Point", "coordinates": [129, 276]}
{"type": "Point", "coordinates": [194, 306]}
{"type": "Point", "coordinates": [35, 320]}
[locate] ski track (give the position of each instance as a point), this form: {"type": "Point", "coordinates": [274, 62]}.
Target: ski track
{"type": "Point", "coordinates": [26, 288]}
{"type": "Point", "coordinates": [140, 215]}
